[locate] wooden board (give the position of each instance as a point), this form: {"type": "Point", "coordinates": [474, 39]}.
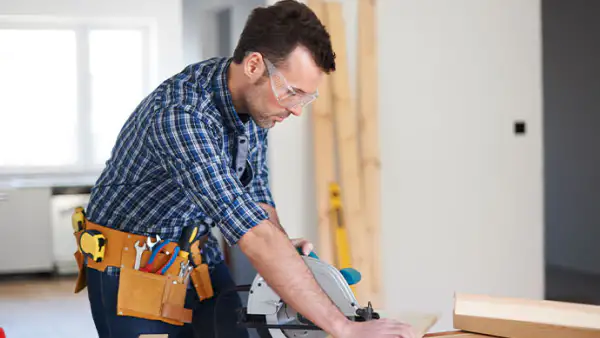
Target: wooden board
{"type": "Point", "coordinates": [322, 120]}
{"type": "Point", "coordinates": [455, 334]}
{"type": "Point", "coordinates": [367, 94]}
{"type": "Point", "coordinates": [348, 148]}
{"type": "Point", "coordinates": [525, 318]}
{"type": "Point", "coordinates": [420, 322]}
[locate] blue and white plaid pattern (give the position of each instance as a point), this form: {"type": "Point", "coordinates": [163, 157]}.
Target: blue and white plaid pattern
{"type": "Point", "coordinates": [174, 164]}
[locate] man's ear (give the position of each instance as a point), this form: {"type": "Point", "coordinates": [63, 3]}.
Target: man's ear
{"type": "Point", "coordinates": [254, 66]}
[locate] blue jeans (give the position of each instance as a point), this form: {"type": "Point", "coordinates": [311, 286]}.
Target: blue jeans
{"type": "Point", "coordinates": [102, 293]}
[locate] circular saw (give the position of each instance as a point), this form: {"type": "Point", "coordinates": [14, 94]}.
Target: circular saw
{"type": "Point", "coordinates": [273, 318]}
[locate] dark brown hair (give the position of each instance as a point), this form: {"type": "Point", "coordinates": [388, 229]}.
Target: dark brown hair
{"type": "Point", "coordinates": [275, 31]}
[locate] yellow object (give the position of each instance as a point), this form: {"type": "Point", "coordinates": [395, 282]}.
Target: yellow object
{"type": "Point", "coordinates": [92, 244]}
{"type": "Point", "coordinates": [341, 245]}
{"type": "Point", "coordinates": [78, 219]}
{"type": "Point", "coordinates": [188, 235]}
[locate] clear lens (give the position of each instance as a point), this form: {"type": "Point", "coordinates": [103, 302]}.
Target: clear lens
{"type": "Point", "coordinates": [286, 97]}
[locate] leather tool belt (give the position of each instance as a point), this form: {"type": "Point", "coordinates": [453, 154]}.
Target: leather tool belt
{"type": "Point", "coordinates": [144, 293]}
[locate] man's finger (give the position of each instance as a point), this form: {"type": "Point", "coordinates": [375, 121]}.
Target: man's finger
{"type": "Point", "coordinates": [307, 248]}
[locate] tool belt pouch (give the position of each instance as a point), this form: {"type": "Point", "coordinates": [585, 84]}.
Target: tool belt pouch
{"type": "Point", "coordinates": [200, 275]}
{"type": "Point", "coordinates": [150, 295]}
{"type": "Point", "coordinates": [81, 282]}
{"type": "Point", "coordinates": [202, 283]}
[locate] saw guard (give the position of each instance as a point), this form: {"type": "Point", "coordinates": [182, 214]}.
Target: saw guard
{"type": "Point", "coordinates": [263, 300]}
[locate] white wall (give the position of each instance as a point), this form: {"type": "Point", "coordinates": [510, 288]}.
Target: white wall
{"type": "Point", "coordinates": [239, 16]}
{"type": "Point", "coordinates": [462, 203]}
{"type": "Point", "coordinates": [165, 15]}
{"type": "Point", "coordinates": [201, 26]}
{"type": "Point", "coordinates": [193, 20]}
{"type": "Point", "coordinates": [462, 195]}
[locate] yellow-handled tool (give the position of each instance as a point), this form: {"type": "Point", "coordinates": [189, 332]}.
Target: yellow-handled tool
{"type": "Point", "coordinates": [342, 247]}
{"type": "Point", "coordinates": [188, 236]}
{"type": "Point", "coordinates": [91, 243]}
{"type": "Point", "coordinates": [78, 219]}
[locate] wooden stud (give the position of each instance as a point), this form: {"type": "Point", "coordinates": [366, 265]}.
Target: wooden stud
{"type": "Point", "coordinates": [367, 84]}
{"type": "Point", "coordinates": [324, 153]}
{"type": "Point", "coordinates": [524, 318]}
{"type": "Point", "coordinates": [347, 145]}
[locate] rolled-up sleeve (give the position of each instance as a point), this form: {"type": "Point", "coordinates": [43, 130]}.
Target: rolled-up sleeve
{"type": "Point", "coordinates": [189, 149]}
{"type": "Point", "coordinates": [259, 187]}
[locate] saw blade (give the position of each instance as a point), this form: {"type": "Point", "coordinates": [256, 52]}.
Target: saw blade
{"type": "Point", "coordinates": [288, 316]}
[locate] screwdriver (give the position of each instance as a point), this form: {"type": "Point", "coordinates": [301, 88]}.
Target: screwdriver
{"type": "Point", "coordinates": [188, 235]}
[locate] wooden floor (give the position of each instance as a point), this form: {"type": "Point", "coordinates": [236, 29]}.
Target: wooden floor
{"type": "Point", "coordinates": [44, 307]}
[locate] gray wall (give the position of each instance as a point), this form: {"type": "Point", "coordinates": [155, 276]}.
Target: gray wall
{"type": "Point", "coordinates": [192, 19]}
{"type": "Point", "coordinates": [571, 37]}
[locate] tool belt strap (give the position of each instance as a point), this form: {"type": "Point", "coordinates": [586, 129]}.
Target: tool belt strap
{"type": "Point", "coordinates": [116, 240]}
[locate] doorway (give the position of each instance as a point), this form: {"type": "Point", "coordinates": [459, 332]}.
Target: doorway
{"type": "Point", "coordinates": [571, 70]}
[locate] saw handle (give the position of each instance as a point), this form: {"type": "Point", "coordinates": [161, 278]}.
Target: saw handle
{"type": "Point", "coordinates": [311, 254]}
{"type": "Point", "coordinates": [352, 276]}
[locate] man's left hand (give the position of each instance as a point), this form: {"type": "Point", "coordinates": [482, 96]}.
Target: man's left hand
{"type": "Point", "coordinates": [303, 243]}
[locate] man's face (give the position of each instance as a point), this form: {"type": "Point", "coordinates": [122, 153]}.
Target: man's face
{"type": "Point", "coordinates": [284, 90]}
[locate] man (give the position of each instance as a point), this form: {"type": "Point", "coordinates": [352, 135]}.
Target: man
{"type": "Point", "coordinates": [196, 149]}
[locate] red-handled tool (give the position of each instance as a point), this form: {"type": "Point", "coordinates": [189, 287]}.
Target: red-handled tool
{"type": "Point", "coordinates": [149, 267]}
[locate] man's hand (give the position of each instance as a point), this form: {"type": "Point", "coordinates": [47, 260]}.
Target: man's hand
{"type": "Point", "coordinates": [378, 328]}
{"type": "Point", "coordinates": [304, 244]}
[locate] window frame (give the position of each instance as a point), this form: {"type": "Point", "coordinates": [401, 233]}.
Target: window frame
{"type": "Point", "coordinates": [82, 27]}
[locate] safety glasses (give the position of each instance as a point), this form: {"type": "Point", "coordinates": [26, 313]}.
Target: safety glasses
{"type": "Point", "coordinates": [286, 95]}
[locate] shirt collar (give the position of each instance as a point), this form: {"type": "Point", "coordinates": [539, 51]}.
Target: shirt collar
{"type": "Point", "coordinates": [222, 97]}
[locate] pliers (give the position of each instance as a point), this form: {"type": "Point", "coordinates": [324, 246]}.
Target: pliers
{"type": "Point", "coordinates": [149, 267]}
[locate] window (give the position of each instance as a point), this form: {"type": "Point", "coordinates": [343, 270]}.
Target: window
{"type": "Point", "coordinates": [116, 74]}
{"type": "Point", "coordinates": [38, 90]}
{"type": "Point", "coordinates": [66, 92]}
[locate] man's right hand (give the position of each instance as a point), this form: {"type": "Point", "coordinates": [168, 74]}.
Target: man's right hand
{"type": "Point", "coordinates": [377, 328]}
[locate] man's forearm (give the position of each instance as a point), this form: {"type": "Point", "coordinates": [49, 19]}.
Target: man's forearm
{"type": "Point", "coordinates": [277, 261]}
{"type": "Point", "coordinates": [273, 217]}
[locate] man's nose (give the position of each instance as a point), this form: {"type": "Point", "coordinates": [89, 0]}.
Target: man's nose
{"type": "Point", "coordinates": [296, 111]}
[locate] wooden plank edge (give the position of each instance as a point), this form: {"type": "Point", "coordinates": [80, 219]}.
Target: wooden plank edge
{"type": "Point", "coordinates": [525, 318]}
{"type": "Point", "coordinates": [519, 329]}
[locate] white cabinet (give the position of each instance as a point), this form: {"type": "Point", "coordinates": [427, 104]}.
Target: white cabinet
{"type": "Point", "coordinates": [64, 245]}
{"type": "Point", "coordinates": [25, 231]}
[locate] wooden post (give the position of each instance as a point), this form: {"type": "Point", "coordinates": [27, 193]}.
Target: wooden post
{"type": "Point", "coordinates": [324, 153]}
{"type": "Point", "coordinates": [367, 84]}
{"type": "Point", "coordinates": [347, 142]}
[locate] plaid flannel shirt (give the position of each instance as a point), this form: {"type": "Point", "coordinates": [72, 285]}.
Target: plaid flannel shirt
{"type": "Point", "coordinates": [179, 159]}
